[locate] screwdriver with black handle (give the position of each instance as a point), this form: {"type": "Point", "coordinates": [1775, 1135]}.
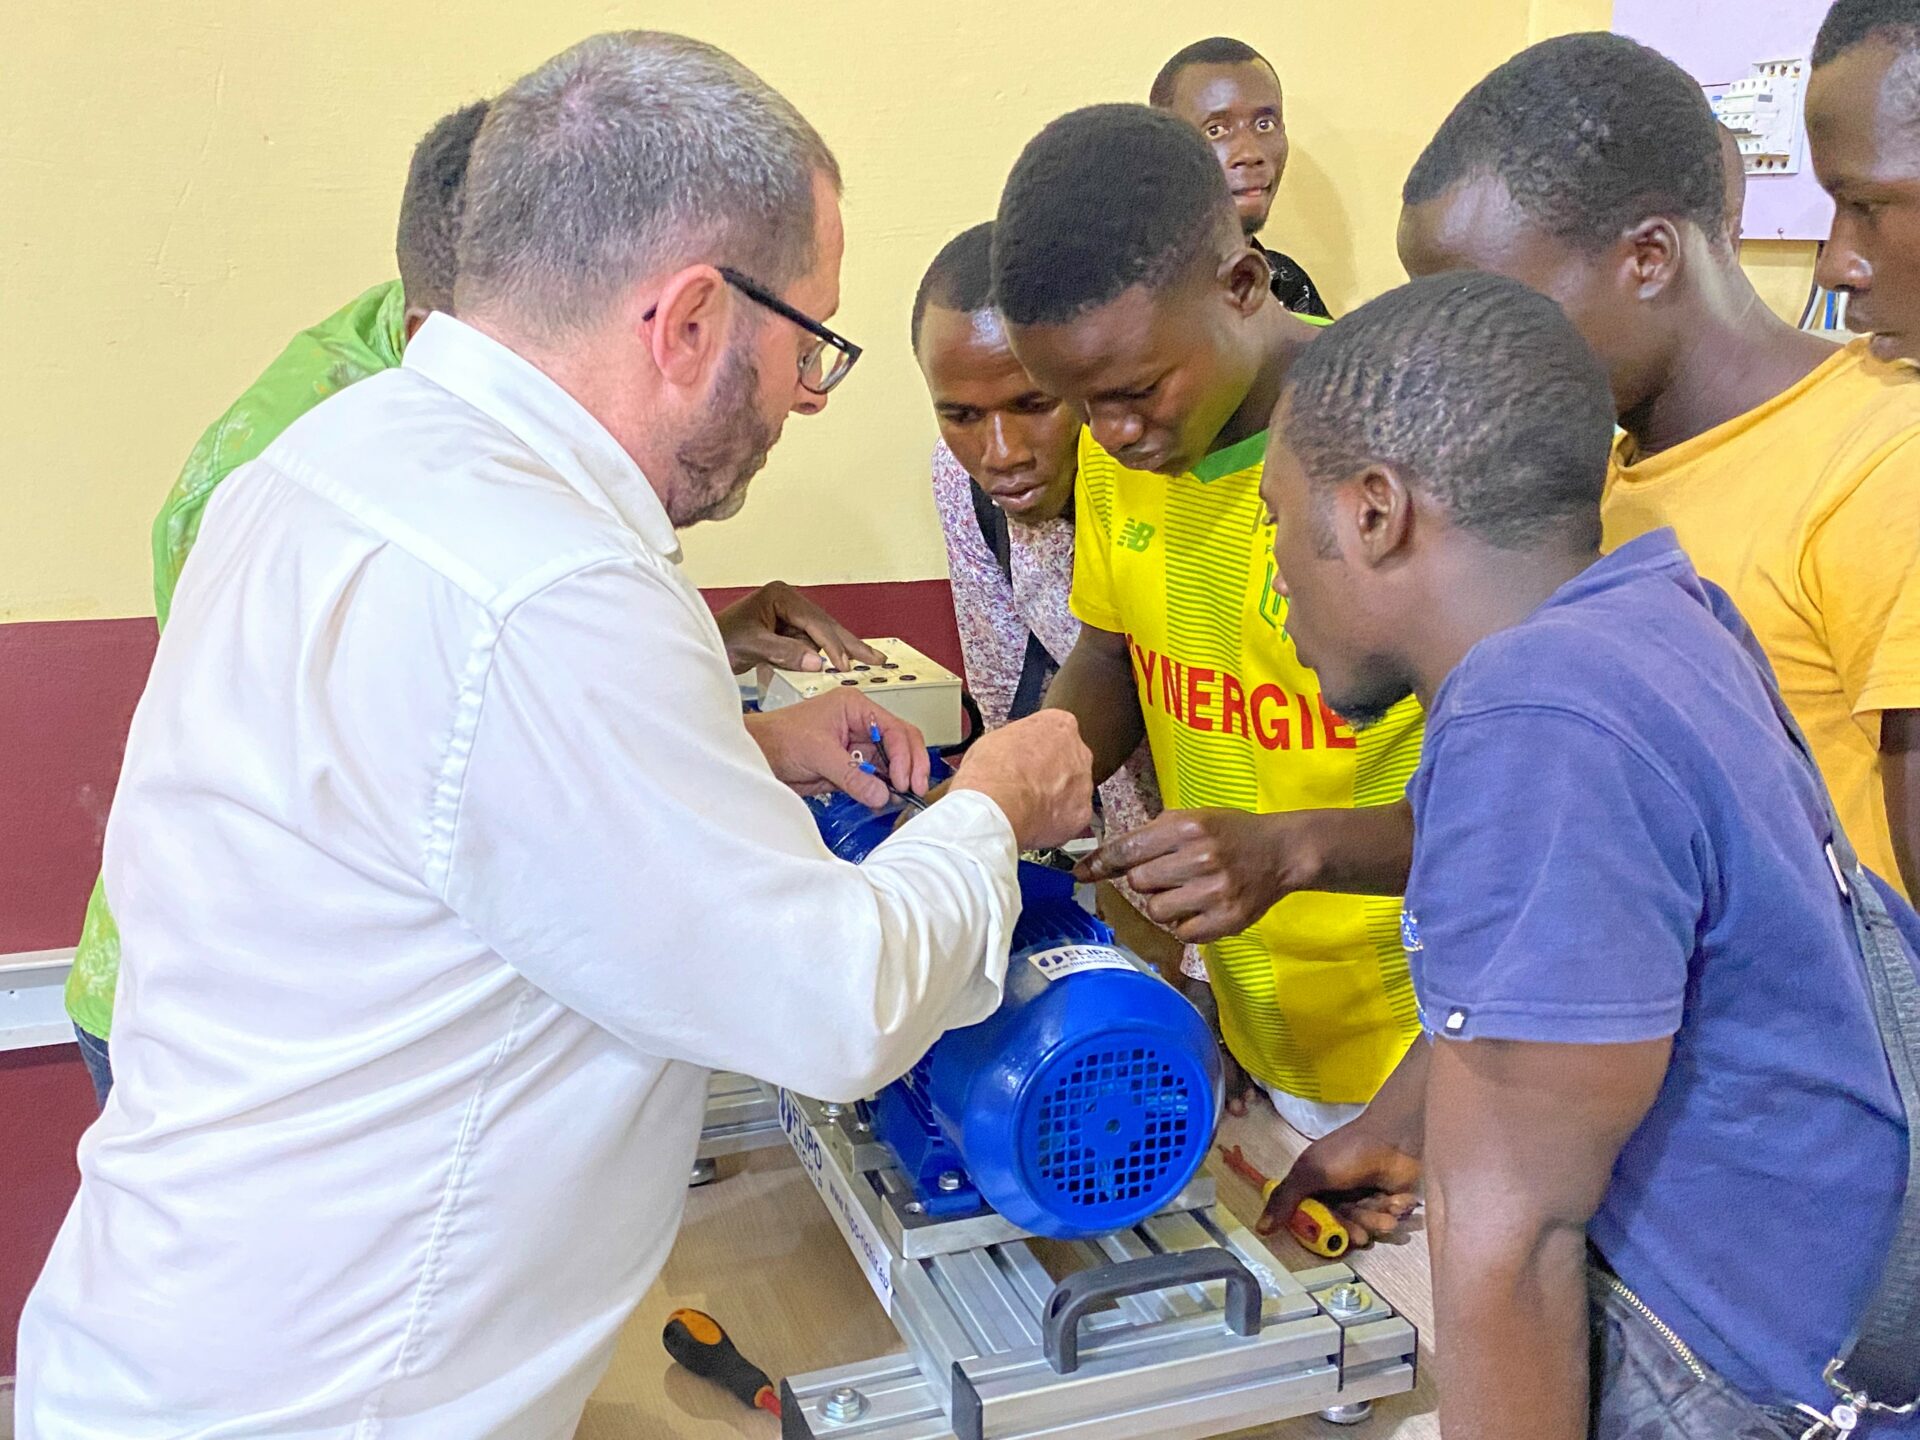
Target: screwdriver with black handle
{"type": "Point", "coordinates": [697, 1343]}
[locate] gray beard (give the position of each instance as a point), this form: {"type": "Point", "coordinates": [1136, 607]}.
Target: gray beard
{"type": "Point", "coordinates": [726, 450]}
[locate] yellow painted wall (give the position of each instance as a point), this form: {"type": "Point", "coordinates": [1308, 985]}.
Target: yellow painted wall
{"type": "Point", "coordinates": [1782, 271]}
{"type": "Point", "coordinates": [184, 184]}
{"type": "Point", "coordinates": [1557, 17]}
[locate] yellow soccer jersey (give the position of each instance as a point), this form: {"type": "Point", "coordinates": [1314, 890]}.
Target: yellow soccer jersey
{"type": "Point", "coordinates": [1315, 998]}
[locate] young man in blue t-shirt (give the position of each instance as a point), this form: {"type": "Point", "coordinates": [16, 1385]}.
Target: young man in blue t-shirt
{"type": "Point", "coordinates": [1648, 1027]}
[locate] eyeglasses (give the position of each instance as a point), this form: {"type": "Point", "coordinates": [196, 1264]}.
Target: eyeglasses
{"type": "Point", "coordinates": [819, 371]}
{"type": "Point", "coordinates": [823, 364]}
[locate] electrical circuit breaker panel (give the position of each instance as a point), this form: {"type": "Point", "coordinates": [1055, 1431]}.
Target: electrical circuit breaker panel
{"type": "Point", "coordinates": [918, 690]}
{"type": "Point", "coordinates": [1763, 111]}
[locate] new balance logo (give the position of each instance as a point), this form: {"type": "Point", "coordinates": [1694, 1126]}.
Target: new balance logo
{"type": "Point", "coordinates": [1272, 608]}
{"type": "Point", "coordinates": [1137, 535]}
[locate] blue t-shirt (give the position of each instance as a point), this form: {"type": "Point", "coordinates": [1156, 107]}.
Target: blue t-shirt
{"type": "Point", "coordinates": [1617, 842]}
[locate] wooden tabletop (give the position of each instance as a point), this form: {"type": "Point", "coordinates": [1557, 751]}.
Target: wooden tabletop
{"type": "Point", "coordinates": [759, 1253]}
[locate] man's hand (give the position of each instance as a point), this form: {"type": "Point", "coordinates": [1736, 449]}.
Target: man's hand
{"type": "Point", "coordinates": [818, 745]}
{"type": "Point", "coordinates": [1368, 1170]}
{"type": "Point", "coordinates": [1370, 1184]}
{"type": "Point", "coordinates": [1038, 772]}
{"type": "Point", "coordinates": [777, 625]}
{"type": "Point", "coordinates": [1203, 874]}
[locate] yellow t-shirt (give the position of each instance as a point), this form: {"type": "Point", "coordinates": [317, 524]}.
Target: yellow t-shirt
{"type": "Point", "coordinates": [1806, 511]}
{"type": "Point", "coordinates": [1315, 998]}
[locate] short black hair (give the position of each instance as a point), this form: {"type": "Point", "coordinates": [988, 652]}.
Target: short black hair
{"type": "Point", "coordinates": [1854, 22]}
{"type": "Point", "coordinates": [1104, 199]}
{"type": "Point", "coordinates": [430, 208]}
{"type": "Point", "coordinates": [1218, 50]}
{"type": "Point", "coordinates": [1482, 394]}
{"type": "Point", "coordinates": [960, 277]}
{"type": "Point", "coordinates": [1590, 134]}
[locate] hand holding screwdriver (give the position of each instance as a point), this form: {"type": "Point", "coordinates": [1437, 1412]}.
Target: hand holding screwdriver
{"type": "Point", "coordinates": [1311, 1223]}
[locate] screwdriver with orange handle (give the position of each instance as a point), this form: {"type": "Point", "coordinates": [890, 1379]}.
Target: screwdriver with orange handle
{"type": "Point", "coordinates": [697, 1343]}
{"type": "Point", "coordinates": [1312, 1224]}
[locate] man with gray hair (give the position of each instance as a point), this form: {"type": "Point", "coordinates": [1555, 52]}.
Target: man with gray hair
{"type": "Point", "coordinates": [467, 868]}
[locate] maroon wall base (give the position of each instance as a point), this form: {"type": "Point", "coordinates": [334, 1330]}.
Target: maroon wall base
{"type": "Point", "coordinates": [46, 1100]}
{"type": "Point", "coordinates": [67, 692]}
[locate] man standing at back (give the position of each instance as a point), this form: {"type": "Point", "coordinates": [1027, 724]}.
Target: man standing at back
{"type": "Point", "coordinates": [1129, 291]}
{"type": "Point", "coordinates": [364, 337]}
{"type": "Point", "coordinates": [467, 869]}
{"type": "Point", "coordinates": [1229, 92]}
{"type": "Point", "coordinates": [1589, 167]}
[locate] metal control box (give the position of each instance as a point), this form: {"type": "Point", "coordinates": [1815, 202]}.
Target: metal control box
{"type": "Point", "coordinates": [920, 691]}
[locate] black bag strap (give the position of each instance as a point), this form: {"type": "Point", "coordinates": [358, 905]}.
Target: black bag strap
{"type": "Point", "coordinates": [1036, 674]}
{"type": "Point", "coordinates": [993, 528]}
{"type": "Point", "coordinates": [1878, 1369]}
{"type": "Point", "coordinates": [1037, 668]}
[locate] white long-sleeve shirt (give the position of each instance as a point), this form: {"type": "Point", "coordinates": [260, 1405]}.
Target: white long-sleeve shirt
{"type": "Point", "coordinates": [445, 870]}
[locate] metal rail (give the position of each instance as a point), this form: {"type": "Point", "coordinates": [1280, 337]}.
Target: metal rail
{"type": "Point", "coordinates": [973, 1301]}
{"type": "Point", "coordinates": [742, 1114]}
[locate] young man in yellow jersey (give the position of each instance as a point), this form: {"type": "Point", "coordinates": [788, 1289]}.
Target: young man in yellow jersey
{"type": "Point", "coordinates": [1589, 168]}
{"type": "Point", "coordinates": [1130, 291]}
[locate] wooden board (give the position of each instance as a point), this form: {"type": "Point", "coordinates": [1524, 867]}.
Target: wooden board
{"type": "Point", "coordinates": [758, 1252]}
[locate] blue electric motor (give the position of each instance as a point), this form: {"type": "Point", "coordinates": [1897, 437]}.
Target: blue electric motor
{"type": "Point", "coordinates": [1082, 1105]}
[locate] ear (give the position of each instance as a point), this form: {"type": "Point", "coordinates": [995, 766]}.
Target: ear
{"type": "Point", "coordinates": [1649, 256]}
{"type": "Point", "coordinates": [1379, 518]}
{"type": "Point", "coordinates": [412, 320]}
{"type": "Point", "coordinates": [684, 324]}
{"type": "Point", "coordinates": [1247, 279]}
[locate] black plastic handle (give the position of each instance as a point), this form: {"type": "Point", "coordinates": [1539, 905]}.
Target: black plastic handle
{"type": "Point", "coordinates": [697, 1343]}
{"type": "Point", "coordinates": [1076, 1295]}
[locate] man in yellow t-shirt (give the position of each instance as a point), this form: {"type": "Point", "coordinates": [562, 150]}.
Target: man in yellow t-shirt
{"type": "Point", "coordinates": [1863, 137]}
{"type": "Point", "coordinates": [1129, 291]}
{"type": "Point", "coordinates": [1789, 468]}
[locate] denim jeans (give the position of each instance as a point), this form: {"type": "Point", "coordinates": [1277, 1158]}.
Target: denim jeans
{"type": "Point", "coordinates": [93, 1050]}
{"type": "Point", "coordinates": [1645, 1388]}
